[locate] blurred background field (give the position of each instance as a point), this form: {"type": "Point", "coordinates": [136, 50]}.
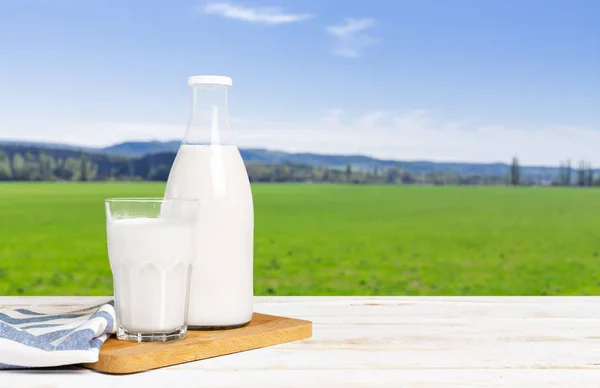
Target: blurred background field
{"type": "Point", "coordinates": [321, 239]}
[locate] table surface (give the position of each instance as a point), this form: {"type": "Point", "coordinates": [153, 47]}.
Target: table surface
{"type": "Point", "coordinates": [383, 342]}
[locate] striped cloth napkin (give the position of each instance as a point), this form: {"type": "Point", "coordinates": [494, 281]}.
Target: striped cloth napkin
{"type": "Point", "coordinates": [30, 339]}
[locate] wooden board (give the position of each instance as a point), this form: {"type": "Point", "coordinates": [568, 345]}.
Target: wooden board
{"type": "Point", "coordinates": [264, 330]}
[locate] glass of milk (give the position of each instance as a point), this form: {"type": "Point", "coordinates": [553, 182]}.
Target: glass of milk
{"type": "Point", "coordinates": [151, 245]}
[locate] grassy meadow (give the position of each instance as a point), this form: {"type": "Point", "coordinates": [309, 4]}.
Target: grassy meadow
{"type": "Point", "coordinates": [332, 239]}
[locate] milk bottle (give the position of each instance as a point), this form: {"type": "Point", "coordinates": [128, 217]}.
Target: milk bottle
{"type": "Point", "coordinates": [209, 167]}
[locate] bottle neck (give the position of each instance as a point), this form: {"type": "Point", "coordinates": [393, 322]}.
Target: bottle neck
{"type": "Point", "coordinates": [209, 120]}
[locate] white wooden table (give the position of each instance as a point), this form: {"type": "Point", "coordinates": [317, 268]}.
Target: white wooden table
{"type": "Point", "coordinates": [384, 342]}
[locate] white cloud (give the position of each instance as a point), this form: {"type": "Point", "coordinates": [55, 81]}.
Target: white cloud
{"type": "Point", "coordinates": [264, 15]}
{"type": "Point", "coordinates": [402, 135]}
{"type": "Point", "coordinates": [370, 119]}
{"type": "Point", "coordinates": [351, 37]}
{"type": "Point", "coordinates": [333, 116]}
{"type": "Point", "coordinates": [420, 135]}
{"type": "Point", "coordinates": [351, 26]}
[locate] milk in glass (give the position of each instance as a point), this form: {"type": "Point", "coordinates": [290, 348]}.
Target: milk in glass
{"type": "Point", "coordinates": [151, 260]}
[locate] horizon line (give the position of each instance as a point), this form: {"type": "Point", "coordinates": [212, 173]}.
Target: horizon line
{"type": "Point", "coordinates": [102, 148]}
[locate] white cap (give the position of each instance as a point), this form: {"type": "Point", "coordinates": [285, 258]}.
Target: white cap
{"type": "Point", "coordinates": [209, 80]}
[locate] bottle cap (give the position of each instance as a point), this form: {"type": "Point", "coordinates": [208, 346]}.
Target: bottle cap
{"type": "Point", "coordinates": [209, 80]}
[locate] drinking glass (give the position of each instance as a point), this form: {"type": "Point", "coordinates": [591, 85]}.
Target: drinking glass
{"type": "Point", "coordinates": [151, 251]}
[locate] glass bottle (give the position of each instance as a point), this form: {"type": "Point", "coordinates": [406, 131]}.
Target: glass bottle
{"type": "Point", "coordinates": [208, 167]}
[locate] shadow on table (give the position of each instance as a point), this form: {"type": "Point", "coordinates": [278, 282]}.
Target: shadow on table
{"type": "Point", "coordinates": [74, 370]}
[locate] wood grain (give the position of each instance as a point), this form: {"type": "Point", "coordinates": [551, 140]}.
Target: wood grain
{"type": "Point", "coordinates": [122, 357]}
{"type": "Point", "coordinates": [380, 342]}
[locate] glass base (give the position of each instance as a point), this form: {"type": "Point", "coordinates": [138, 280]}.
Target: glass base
{"type": "Point", "coordinates": [163, 336]}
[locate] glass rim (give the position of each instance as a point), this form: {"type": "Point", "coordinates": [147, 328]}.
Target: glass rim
{"type": "Point", "coordinates": [151, 200]}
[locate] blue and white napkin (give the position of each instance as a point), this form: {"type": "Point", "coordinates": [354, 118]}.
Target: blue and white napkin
{"type": "Point", "coordinates": [33, 339]}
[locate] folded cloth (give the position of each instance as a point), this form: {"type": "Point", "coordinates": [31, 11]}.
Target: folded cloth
{"type": "Point", "coordinates": [30, 339]}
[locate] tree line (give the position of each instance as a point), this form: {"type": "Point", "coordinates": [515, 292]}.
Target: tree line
{"type": "Point", "coordinates": [585, 175]}
{"type": "Point", "coordinates": [32, 164]}
{"type": "Point", "coordinates": [66, 165]}
{"type": "Point", "coordinates": [19, 163]}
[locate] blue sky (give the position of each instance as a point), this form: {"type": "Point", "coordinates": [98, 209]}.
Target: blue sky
{"type": "Point", "coordinates": [461, 80]}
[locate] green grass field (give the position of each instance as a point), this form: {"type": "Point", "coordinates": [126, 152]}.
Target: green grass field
{"type": "Point", "coordinates": [332, 239]}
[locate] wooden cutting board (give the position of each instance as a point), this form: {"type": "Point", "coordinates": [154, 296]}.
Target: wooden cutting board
{"type": "Point", "coordinates": [264, 330]}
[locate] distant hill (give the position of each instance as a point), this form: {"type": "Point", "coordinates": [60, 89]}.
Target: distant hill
{"type": "Point", "coordinates": [358, 162]}
{"type": "Point", "coordinates": [130, 148]}
{"type": "Point", "coordinates": [361, 162]}
{"type": "Point", "coordinates": [140, 148]}
{"type": "Point", "coordinates": [53, 146]}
